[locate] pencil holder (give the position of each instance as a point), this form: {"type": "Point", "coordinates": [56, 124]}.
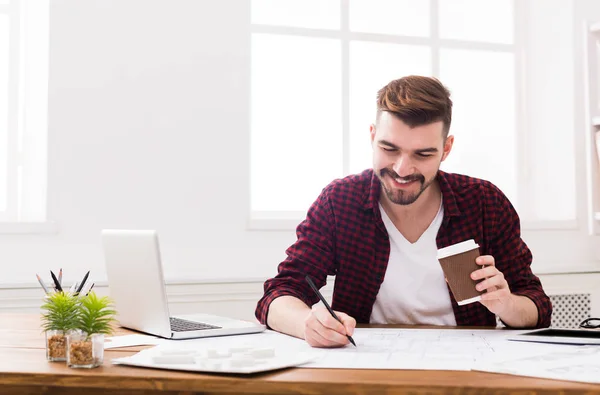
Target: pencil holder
{"type": "Point", "coordinates": [83, 350]}
{"type": "Point", "coordinates": [56, 345]}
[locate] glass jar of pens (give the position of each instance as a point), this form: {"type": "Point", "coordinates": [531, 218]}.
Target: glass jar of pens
{"type": "Point", "coordinates": [75, 322]}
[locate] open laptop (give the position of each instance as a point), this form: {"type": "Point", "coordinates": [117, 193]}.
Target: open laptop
{"type": "Point", "coordinates": [136, 285]}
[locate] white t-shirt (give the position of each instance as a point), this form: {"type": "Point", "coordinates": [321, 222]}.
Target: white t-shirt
{"type": "Point", "coordinates": [414, 290]}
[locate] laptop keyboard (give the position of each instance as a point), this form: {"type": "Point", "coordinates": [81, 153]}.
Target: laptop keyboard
{"type": "Point", "coordinates": [179, 325]}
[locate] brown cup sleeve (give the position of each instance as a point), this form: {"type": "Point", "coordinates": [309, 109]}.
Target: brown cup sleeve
{"type": "Point", "coordinates": [457, 270]}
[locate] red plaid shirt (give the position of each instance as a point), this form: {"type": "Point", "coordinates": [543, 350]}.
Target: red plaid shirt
{"type": "Point", "coordinates": [343, 235]}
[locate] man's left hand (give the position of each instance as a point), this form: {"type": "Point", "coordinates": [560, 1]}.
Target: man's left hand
{"type": "Point", "coordinates": [496, 293]}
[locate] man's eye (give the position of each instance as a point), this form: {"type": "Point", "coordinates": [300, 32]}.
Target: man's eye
{"type": "Point", "coordinates": [424, 155]}
{"type": "Point", "coordinates": [388, 149]}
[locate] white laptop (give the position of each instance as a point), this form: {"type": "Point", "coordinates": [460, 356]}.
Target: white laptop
{"type": "Point", "coordinates": [136, 285]}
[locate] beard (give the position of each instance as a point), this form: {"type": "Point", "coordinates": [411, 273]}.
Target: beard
{"type": "Point", "coordinates": [399, 196]}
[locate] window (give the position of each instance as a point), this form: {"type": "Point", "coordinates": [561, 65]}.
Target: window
{"type": "Point", "coordinates": [23, 110]}
{"type": "Point", "coordinates": [317, 65]}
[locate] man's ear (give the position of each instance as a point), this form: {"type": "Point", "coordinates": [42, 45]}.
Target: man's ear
{"type": "Point", "coordinates": [447, 147]}
{"type": "Point", "coordinates": [372, 132]}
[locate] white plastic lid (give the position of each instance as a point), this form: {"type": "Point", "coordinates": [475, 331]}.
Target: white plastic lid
{"type": "Point", "coordinates": [458, 248]}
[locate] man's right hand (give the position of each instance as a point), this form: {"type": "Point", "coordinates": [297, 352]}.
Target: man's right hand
{"type": "Point", "coordinates": [322, 330]}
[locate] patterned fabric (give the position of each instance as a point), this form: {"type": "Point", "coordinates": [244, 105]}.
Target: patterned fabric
{"type": "Point", "coordinates": [343, 235]}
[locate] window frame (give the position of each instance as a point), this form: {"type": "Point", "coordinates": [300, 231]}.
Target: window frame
{"type": "Point", "coordinates": [537, 233]}
{"type": "Point", "coordinates": [26, 208]}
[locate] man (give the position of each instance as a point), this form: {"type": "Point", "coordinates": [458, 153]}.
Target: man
{"type": "Point", "coordinates": [379, 231]}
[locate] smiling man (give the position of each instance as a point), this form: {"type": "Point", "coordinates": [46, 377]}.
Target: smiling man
{"type": "Point", "coordinates": [379, 231]}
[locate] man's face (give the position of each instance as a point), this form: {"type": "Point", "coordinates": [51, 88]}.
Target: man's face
{"type": "Point", "coordinates": [405, 159]}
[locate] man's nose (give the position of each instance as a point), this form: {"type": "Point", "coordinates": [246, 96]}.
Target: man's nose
{"type": "Point", "coordinates": [403, 166]}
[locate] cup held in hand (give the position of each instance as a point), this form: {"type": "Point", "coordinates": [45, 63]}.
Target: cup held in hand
{"type": "Point", "coordinates": [458, 262]}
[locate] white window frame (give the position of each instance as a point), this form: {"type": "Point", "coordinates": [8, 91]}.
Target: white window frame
{"type": "Point", "coordinates": [26, 209]}
{"type": "Point", "coordinates": [538, 232]}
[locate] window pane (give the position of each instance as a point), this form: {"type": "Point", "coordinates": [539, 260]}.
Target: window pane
{"type": "Point", "coordinates": [3, 109]}
{"type": "Point", "coordinates": [316, 14]}
{"type": "Point", "coordinates": [477, 20]}
{"type": "Point", "coordinates": [372, 65]}
{"type": "Point", "coordinates": [483, 119]}
{"type": "Point", "coordinates": [597, 87]}
{"type": "Point", "coordinates": [296, 132]}
{"type": "Point", "coordinates": [400, 17]}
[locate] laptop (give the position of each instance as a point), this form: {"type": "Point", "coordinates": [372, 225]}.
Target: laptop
{"type": "Point", "coordinates": [136, 285]}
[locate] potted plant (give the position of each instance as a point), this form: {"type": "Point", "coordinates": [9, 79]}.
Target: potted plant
{"type": "Point", "coordinates": [59, 315]}
{"type": "Point", "coordinates": [85, 345]}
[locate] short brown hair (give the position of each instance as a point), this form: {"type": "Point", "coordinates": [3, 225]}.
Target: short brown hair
{"type": "Point", "coordinates": [417, 101]}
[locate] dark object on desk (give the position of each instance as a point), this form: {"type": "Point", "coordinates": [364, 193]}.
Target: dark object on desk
{"type": "Point", "coordinates": [560, 336]}
{"type": "Point", "coordinates": [56, 282]}
{"type": "Point", "coordinates": [314, 287]}
{"type": "Point", "coordinates": [590, 323]}
{"type": "Point", "coordinates": [82, 282]}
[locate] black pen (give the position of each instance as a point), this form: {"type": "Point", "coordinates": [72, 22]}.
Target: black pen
{"type": "Point", "coordinates": [56, 282]}
{"type": "Point", "coordinates": [314, 287]}
{"type": "Point", "coordinates": [82, 282]}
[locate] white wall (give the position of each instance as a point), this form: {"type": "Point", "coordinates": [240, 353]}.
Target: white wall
{"type": "Point", "coordinates": [149, 128]}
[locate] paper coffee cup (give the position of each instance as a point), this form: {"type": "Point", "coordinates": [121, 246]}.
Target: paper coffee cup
{"type": "Point", "coordinates": [458, 262]}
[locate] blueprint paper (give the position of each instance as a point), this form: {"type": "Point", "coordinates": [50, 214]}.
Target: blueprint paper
{"type": "Point", "coordinates": [575, 363]}
{"type": "Point", "coordinates": [426, 349]}
{"type": "Point", "coordinates": [423, 349]}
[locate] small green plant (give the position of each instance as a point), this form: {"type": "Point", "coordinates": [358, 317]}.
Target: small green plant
{"type": "Point", "coordinates": [95, 314]}
{"type": "Point", "coordinates": [60, 312]}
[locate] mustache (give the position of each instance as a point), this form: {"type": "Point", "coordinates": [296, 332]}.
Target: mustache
{"type": "Point", "coordinates": [412, 177]}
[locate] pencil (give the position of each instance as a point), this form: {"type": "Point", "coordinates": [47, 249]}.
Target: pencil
{"type": "Point", "coordinates": [56, 282]}
{"type": "Point", "coordinates": [314, 288]}
{"type": "Point", "coordinates": [82, 282]}
{"type": "Point", "coordinates": [42, 283]}
{"type": "Point", "coordinates": [60, 276]}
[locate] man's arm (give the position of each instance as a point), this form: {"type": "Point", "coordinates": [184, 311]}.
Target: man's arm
{"type": "Point", "coordinates": [514, 293]}
{"type": "Point", "coordinates": [287, 315]}
{"type": "Point", "coordinates": [514, 310]}
{"type": "Point", "coordinates": [317, 326]}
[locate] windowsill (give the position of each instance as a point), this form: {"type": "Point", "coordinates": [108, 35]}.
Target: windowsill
{"type": "Point", "coordinates": [290, 224]}
{"type": "Point", "coordinates": [28, 228]}
{"type": "Point", "coordinates": [547, 268]}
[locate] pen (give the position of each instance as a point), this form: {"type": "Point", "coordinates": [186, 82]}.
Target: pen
{"type": "Point", "coordinates": [60, 276]}
{"type": "Point", "coordinates": [314, 287]}
{"type": "Point", "coordinates": [42, 283]}
{"type": "Point", "coordinates": [56, 282]}
{"type": "Point", "coordinates": [82, 282]}
{"type": "Point", "coordinates": [89, 290]}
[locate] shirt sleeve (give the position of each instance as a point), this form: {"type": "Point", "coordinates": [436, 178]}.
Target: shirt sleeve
{"type": "Point", "coordinates": [312, 254]}
{"type": "Point", "coordinates": [513, 257]}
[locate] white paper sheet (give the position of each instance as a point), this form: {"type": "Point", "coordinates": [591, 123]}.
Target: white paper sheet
{"type": "Point", "coordinates": [131, 340]}
{"type": "Point", "coordinates": [424, 349]}
{"type": "Point", "coordinates": [573, 363]}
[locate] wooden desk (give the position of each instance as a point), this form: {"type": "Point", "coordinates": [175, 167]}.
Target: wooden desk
{"type": "Point", "coordinates": [24, 370]}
